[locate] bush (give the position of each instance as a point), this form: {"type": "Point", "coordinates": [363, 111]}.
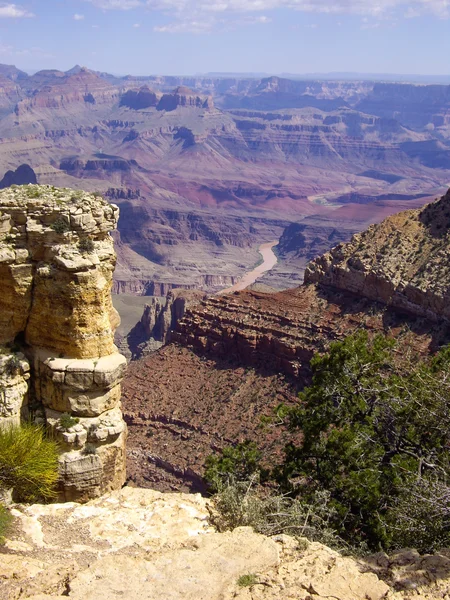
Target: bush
{"type": "Point", "coordinates": [244, 504]}
{"type": "Point", "coordinates": [66, 421]}
{"type": "Point", "coordinates": [13, 365]}
{"type": "Point", "coordinates": [28, 463]}
{"type": "Point", "coordinates": [239, 462]}
{"type": "Point", "coordinates": [90, 449]}
{"type": "Point", "coordinates": [247, 580]}
{"type": "Point", "coordinates": [60, 225]}
{"type": "Point", "coordinates": [376, 429]}
{"type": "Point", "coordinates": [5, 522]}
{"type": "Point", "coordinates": [86, 245]}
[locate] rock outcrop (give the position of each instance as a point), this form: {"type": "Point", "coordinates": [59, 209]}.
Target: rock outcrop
{"type": "Point", "coordinates": [21, 176]}
{"type": "Point", "coordinates": [178, 398]}
{"type": "Point", "coordinates": [140, 544]}
{"type": "Point", "coordinates": [159, 319]}
{"type": "Point", "coordinates": [183, 96]}
{"type": "Point", "coordinates": [142, 98]}
{"type": "Point", "coordinates": [404, 262]}
{"type": "Point", "coordinates": [56, 266]}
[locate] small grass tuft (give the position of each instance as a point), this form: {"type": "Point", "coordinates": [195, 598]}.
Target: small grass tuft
{"type": "Point", "coordinates": [6, 519]}
{"type": "Point", "coordinates": [86, 246]}
{"type": "Point", "coordinates": [66, 421]}
{"type": "Point", "coordinates": [89, 449]}
{"type": "Point", "coordinates": [60, 226]}
{"type": "Point", "coordinates": [247, 580]}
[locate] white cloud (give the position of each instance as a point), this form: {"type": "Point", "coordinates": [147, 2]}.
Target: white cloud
{"type": "Point", "coordinates": [258, 19]}
{"type": "Point", "coordinates": [9, 11]}
{"type": "Point", "coordinates": [78, 17]}
{"type": "Point", "coordinates": [136, 25]}
{"type": "Point", "coordinates": [186, 27]}
{"type": "Point", "coordinates": [203, 16]}
{"type": "Point", "coordinates": [34, 52]}
{"type": "Point", "coordinates": [116, 4]}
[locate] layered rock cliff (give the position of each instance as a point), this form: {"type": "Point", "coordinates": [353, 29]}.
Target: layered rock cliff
{"type": "Point", "coordinates": [56, 330]}
{"type": "Point", "coordinates": [396, 272]}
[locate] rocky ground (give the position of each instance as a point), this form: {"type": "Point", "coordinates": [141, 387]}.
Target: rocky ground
{"type": "Point", "coordinates": [140, 544]}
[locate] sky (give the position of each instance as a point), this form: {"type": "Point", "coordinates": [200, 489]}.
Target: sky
{"type": "Point", "coordinates": [186, 37]}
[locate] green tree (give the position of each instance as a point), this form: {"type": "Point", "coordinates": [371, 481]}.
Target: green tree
{"type": "Point", "coordinates": [376, 427]}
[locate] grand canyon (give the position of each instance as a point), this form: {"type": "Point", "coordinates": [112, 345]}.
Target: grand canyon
{"type": "Point", "coordinates": [240, 226]}
{"type": "Point", "coordinates": [206, 169]}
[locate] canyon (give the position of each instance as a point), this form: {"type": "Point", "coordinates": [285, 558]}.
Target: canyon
{"type": "Point", "coordinates": [233, 359]}
{"type": "Point", "coordinates": [206, 169]}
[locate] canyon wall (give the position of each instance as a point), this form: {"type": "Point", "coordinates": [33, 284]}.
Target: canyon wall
{"type": "Point", "coordinates": [57, 322]}
{"type": "Point", "coordinates": [403, 262]}
{"type": "Point", "coordinates": [394, 276]}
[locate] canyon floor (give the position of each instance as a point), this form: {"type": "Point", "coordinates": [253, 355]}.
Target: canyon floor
{"type": "Point", "coordinates": [142, 545]}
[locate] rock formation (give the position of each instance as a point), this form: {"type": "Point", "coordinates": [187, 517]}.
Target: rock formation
{"type": "Point", "coordinates": [158, 320]}
{"type": "Point", "coordinates": [21, 176]}
{"type": "Point", "coordinates": [404, 262]}
{"type": "Point", "coordinates": [142, 544]}
{"type": "Point", "coordinates": [56, 265]}
{"type": "Point", "coordinates": [399, 268]}
{"type": "Point", "coordinates": [183, 96]}
{"type": "Point", "coordinates": [142, 98]}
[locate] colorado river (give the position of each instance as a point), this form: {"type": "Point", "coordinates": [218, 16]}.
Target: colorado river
{"type": "Point", "coordinates": [268, 263]}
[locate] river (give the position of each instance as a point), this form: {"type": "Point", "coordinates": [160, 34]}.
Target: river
{"type": "Point", "coordinates": [268, 263]}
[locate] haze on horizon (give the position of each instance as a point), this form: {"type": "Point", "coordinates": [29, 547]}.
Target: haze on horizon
{"type": "Point", "coordinates": [186, 37]}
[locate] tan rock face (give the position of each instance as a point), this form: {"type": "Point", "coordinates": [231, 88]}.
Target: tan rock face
{"type": "Point", "coordinates": [56, 265]}
{"type": "Point", "coordinates": [141, 544]}
{"type": "Point", "coordinates": [14, 377]}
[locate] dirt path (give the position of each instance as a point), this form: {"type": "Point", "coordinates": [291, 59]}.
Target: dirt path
{"type": "Point", "coordinates": [269, 261]}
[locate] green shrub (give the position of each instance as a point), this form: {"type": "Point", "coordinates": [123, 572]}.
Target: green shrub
{"type": "Point", "coordinates": [90, 449]}
{"type": "Point", "coordinates": [66, 421]}
{"type": "Point", "coordinates": [60, 225]}
{"type": "Point", "coordinates": [239, 462]}
{"type": "Point", "coordinates": [34, 193]}
{"type": "Point", "coordinates": [5, 522]}
{"type": "Point", "coordinates": [86, 245]}
{"type": "Point", "coordinates": [28, 463]}
{"type": "Point", "coordinates": [376, 433]}
{"type": "Point", "coordinates": [247, 580]}
{"type": "Point", "coordinates": [13, 365]}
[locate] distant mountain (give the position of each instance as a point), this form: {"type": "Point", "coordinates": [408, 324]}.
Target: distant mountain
{"type": "Point", "coordinates": [224, 164]}
{"type": "Point", "coordinates": [12, 72]}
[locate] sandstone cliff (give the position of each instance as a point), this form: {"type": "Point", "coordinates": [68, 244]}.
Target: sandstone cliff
{"type": "Point", "coordinates": [56, 265]}
{"type": "Point", "coordinates": [143, 545]}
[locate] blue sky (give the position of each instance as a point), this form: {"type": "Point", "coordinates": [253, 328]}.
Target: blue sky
{"type": "Point", "coordinates": [182, 37]}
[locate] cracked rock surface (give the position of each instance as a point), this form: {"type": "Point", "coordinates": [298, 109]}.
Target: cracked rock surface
{"type": "Point", "coordinates": [141, 544]}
